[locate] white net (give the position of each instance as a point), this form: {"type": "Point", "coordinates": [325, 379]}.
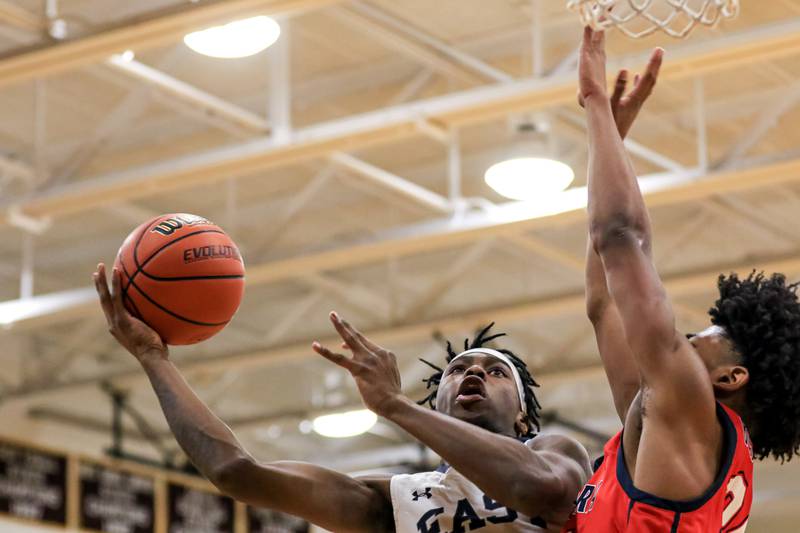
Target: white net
{"type": "Point", "coordinates": [639, 18]}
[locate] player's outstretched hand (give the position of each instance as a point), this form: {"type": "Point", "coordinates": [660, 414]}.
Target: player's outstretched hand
{"type": "Point", "coordinates": [626, 107]}
{"type": "Point", "coordinates": [373, 367]}
{"type": "Point", "coordinates": [592, 66]}
{"type": "Point", "coordinates": [133, 334]}
{"type": "Point", "coordinates": [592, 80]}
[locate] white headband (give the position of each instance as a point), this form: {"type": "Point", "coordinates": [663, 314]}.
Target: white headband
{"type": "Point", "coordinates": [504, 358]}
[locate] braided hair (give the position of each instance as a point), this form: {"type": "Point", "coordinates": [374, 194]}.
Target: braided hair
{"type": "Point", "coordinates": [532, 407]}
{"type": "Point", "coordinates": [761, 317]}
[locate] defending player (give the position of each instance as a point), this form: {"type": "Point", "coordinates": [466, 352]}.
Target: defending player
{"type": "Point", "coordinates": [484, 401]}
{"type": "Point", "coordinates": [683, 463]}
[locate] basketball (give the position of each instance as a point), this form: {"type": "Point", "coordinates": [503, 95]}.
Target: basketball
{"type": "Point", "coordinates": [181, 275]}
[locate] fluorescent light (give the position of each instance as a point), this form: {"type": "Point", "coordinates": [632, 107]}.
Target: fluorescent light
{"type": "Point", "coordinates": [241, 38]}
{"type": "Point", "coordinates": [46, 304]}
{"type": "Point", "coordinates": [125, 57]}
{"type": "Point", "coordinates": [529, 178]}
{"type": "Point", "coordinates": [347, 424]}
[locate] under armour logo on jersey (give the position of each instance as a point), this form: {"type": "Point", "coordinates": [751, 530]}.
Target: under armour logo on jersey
{"type": "Point", "coordinates": [427, 494]}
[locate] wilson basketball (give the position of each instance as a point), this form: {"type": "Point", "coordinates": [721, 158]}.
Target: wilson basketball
{"type": "Point", "coordinates": [182, 275]}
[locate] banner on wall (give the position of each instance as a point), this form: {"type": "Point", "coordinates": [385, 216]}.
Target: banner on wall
{"type": "Point", "coordinates": [116, 501]}
{"type": "Point", "coordinates": [50, 488]}
{"type": "Point", "coordinates": [198, 511]}
{"type": "Point", "coordinates": [33, 484]}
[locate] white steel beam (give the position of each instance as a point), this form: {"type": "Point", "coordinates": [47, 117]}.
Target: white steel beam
{"type": "Point", "coordinates": [434, 131]}
{"type": "Point", "coordinates": [454, 174]}
{"type": "Point", "coordinates": [13, 168]}
{"type": "Point", "coordinates": [351, 295]}
{"type": "Point", "coordinates": [393, 182]}
{"type": "Point", "coordinates": [764, 123]}
{"type": "Point", "coordinates": [546, 250]}
{"type": "Point", "coordinates": [289, 211]}
{"type": "Point", "coordinates": [476, 105]}
{"type": "Point", "coordinates": [190, 94]}
{"type": "Point", "coordinates": [408, 45]}
{"type": "Point", "coordinates": [280, 103]}
{"type": "Point", "coordinates": [27, 271]}
{"type": "Point", "coordinates": [677, 286]}
{"type": "Point", "coordinates": [701, 123]}
{"type": "Point", "coordinates": [37, 309]}
{"type": "Point", "coordinates": [292, 316]}
{"type": "Point", "coordinates": [132, 212]}
{"type": "Point", "coordinates": [513, 217]}
{"type": "Point", "coordinates": [509, 219]}
{"type": "Point", "coordinates": [446, 280]}
{"type": "Point", "coordinates": [537, 39]}
{"type": "Point", "coordinates": [155, 29]}
{"type": "Point", "coordinates": [744, 213]}
{"type": "Point", "coordinates": [413, 87]}
{"type": "Point", "coordinates": [668, 249]}
{"type": "Point", "coordinates": [134, 103]}
{"type": "Point", "coordinates": [646, 154]}
{"type": "Point", "coordinates": [40, 131]}
{"type": "Point", "coordinates": [381, 16]}
{"type": "Point", "coordinates": [71, 347]}
{"type": "Point", "coordinates": [20, 18]}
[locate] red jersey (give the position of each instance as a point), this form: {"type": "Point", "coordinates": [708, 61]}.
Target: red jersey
{"type": "Point", "coordinates": [609, 503]}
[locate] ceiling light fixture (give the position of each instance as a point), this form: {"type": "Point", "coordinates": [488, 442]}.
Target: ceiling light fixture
{"type": "Point", "coordinates": [347, 424]}
{"type": "Point", "coordinates": [240, 38]}
{"type": "Point", "coordinates": [529, 178]}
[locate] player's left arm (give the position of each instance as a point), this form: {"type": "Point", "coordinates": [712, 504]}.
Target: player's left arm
{"type": "Point", "coordinates": [538, 479]}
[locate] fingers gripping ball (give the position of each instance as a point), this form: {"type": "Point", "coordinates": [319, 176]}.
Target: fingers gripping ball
{"type": "Point", "coordinates": [181, 275]}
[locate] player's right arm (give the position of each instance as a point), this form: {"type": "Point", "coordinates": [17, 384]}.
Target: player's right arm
{"type": "Point", "coordinates": [619, 363]}
{"type": "Point", "coordinates": [332, 500]}
{"type": "Point", "coordinates": [678, 394]}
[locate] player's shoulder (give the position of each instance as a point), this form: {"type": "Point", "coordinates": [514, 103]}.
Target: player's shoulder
{"type": "Point", "coordinates": [554, 442]}
{"type": "Point", "coordinates": [560, 444]}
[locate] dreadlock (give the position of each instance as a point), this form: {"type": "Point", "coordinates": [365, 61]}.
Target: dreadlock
{"type": "Point", "coordinates": [762, 318]}
{"type": "Point", "coordinates": [532, 407]}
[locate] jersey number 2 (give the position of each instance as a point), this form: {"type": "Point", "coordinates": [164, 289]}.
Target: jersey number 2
{"type": "Point", "coordinates": [737, 489]}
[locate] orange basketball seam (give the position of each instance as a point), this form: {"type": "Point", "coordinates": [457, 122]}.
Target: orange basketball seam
{"type": "Point", "coordinates": [193, 278]}
{"type": "Point", "coordinates": [140, 267]}
{"type": "Point", "coordinates": [174, 314]}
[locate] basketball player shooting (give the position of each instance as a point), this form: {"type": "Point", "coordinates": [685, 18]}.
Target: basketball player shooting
{"type": "Point", "coordinates": [484, 403]}
{"type": "Point", "coordinates": [683, 462]}
{"type": "Point", "coordinates": [498, 474]}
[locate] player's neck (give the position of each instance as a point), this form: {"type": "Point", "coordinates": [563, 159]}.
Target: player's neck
{"type": "Point", "coordinates": [737, 403]}
{"type": "Point", "coordinates": [510, 432]}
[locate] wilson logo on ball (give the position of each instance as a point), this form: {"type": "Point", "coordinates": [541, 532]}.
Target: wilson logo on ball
{"type": "Point", "coordinates": [170, 225]}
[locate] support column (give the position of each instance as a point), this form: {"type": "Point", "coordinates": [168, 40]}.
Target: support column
{"type": "Point", "coordinates": [280, 104]}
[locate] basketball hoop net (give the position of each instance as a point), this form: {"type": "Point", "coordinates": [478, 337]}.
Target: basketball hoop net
{"type": "Point", "coordinates": [639, 18]}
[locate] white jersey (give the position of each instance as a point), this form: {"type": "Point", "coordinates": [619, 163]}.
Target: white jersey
{"type": "Point", "coordinates": [445, 501]}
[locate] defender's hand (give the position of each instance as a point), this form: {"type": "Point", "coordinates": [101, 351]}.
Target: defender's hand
{"type": "Point", "coordinates": [592, 74]}
{"type": "Point", "coordinates": [626, 107]}
{"type": "Point", "coordinates": [374, 368]}
{"type": "Point", "coordinates": [133, 334]}
{"type": "Point", "coordinates": [592, 66]}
